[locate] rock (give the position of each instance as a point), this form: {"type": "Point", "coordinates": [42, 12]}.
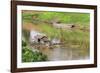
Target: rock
{"type": "Point", "coordinates": [35, 36]}
{"type": "Point", "coordinates": [55, 41]}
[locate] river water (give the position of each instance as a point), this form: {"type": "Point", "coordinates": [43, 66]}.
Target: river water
{"type": "Point", "coordinates": [62, 53]}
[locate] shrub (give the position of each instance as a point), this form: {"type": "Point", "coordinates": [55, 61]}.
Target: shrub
{"type": "Point", "coordinates": [29, 56]}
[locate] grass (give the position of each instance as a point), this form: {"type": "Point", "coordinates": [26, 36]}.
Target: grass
{"type": "Point", "coordinates": [74, 37]}
{"type": "Point", "coordinates": [81, 19]}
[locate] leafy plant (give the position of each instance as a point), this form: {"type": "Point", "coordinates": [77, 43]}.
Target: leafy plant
{"type": "Point", "coordinates": [30, 56]}
{"type": "Point", "coordinates": [24, 44]}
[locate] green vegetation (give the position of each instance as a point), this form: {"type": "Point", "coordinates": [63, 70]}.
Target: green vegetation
{"type": "Point", "coordinates": [29, 56]}
{"type": "Point", "coordinates": [63, 17]}
{"type": "Point", "coordinates": [75, 38]}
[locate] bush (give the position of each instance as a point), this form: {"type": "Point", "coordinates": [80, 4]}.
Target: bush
{"type": "Point", "coordinates": [29, 56]}
{"type": "Point", "coordinates": [24, 44]}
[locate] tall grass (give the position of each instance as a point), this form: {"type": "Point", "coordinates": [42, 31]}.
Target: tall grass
{"type": "Point", "coordinates": [69, 37]}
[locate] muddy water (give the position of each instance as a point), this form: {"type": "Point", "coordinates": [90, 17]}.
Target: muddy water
{"type": "Point", "coordinates": [63, 53]}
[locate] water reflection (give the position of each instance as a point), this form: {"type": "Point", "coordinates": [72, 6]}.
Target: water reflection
{"type": "Point", "coordinates": [62, 53]}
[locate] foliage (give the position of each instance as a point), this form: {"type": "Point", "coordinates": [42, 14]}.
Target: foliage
{"type": "Point", "coordinates": [24, 44]}
{"type": "Point", "coordinates": [29, 56]}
